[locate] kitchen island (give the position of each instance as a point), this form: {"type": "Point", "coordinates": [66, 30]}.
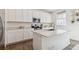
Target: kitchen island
{"type": "Point", "coordinates": [50, 40]}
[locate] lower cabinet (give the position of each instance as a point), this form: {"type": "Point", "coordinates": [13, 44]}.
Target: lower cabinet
{"type": "Point", "coordinates": [14, 36]}
{"type": "Point", "coordinates": [28, 34]}
{"type": "Point", "coordinates": [10, 37]}
{"type": "Point", "coordinates": [19, 35]}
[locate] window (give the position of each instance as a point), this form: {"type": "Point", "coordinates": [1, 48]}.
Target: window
{"type": "Point", "coordinates": [61, 19]}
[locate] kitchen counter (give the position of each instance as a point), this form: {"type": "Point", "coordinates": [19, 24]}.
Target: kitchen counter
{"type": "Point", "coordinates": [48, 33]}
{"type": "Point", "coordinates": [50, 40]}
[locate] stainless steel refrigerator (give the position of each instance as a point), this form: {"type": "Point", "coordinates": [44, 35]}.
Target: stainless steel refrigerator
{"type": "Point", "coordinates": [1, 29]}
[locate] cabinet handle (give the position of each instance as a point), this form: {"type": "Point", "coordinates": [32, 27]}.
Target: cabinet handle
{"type": "Point", "coordinates": [21, 27]}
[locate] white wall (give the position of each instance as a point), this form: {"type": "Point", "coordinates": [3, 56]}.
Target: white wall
{"type": "Point", "coordinates": [72, 28]}
{"type": "Point", "coordinates": [74, 31]}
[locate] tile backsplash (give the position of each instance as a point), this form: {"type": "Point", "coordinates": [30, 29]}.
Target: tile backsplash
{"type": "Point", "coordinates": [18, 25]}
{"type": "Point", "coordinates": [47, 25]}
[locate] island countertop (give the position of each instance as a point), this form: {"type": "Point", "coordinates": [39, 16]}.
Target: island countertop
{"type": "Point", "coordinates": [47, 33]}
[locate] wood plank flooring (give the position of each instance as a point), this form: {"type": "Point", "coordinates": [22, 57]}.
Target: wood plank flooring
{"type": "Point", "coordinates": [26, 45]}
{"type": "Point", "coordinates": [2, 47]}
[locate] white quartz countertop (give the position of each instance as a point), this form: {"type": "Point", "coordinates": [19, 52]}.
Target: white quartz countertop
{"type": "Point", "coordinates": [49, 33]}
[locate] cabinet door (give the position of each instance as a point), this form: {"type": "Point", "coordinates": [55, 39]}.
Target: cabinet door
{"type": "Point", "coordinates": [43, 17]}
{"type": "Point", "coordinates": [11, 36]}
{"type": "Point", "coordinates": [28, 34]}
{"type": "Point", "coordinates": [15, 36]}
{"type": "Point", "coordinates": [19, 35]}
{"type": "Point", "coordinates": [10, 14]}
{"type": "Point", "coordinates": [35, 14]}
{"type": "Point", "coordinates": [27, 15]}
{"type": "Point", "coordinates": [48, 18]}
{"type": "Point", "coordinates": [19, 15]}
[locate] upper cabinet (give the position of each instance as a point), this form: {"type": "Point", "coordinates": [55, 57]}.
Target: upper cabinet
{"type": "Point", "coordinates": [49, 18]}
{"type": "Point", "coordinates": [35, 13]}
{"type": "Point", "coordinates": [19, 15]}
{"type": "Point", "coordinates": [14, 14]}
{"type": "Point", "coordinates": [27, 15]}
{"type": "Point", "coordinates": [45, 17]}
{"type": "Point", "coordinates": [10, 14]}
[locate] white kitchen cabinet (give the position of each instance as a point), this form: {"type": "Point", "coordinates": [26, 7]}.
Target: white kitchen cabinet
{"type": "Point", "coordinates": [28, 34]}
{"type": "Point", "coordinates": [14, 36]}
{"type": "Point", "coordinates": [62, 15]}
{"type": "Point", "coordinates": [19, 15]}
{"type": "Point", "coordinates": [45, 17]}
{"type": "Point", "coordinates": [48, 18]}
{"type": "Point", "coordinates": [10, 14]}
{"type": "Point", "coordinates": [27, 15]}
{"type": "Point", "coordinates": [50, 40]}
{"type": "Point", "coordinates": [14, 15]}
{"type": "Point", "coordinates": [19, 35]}
{"type": "Point", "coordinates": [11, 37]}
{"type": "Point", "coordinates": [36, 13]}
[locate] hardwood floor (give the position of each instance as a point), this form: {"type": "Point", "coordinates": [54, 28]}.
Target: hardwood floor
{"type": "Point", "coordinates": [26, 45]}
{"type": "Point", "coordinates": [2, 47]}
